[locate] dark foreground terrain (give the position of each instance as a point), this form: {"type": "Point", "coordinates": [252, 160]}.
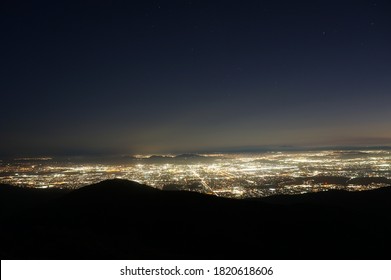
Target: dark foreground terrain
{"type": "Point", "coordinates": [119, 219]}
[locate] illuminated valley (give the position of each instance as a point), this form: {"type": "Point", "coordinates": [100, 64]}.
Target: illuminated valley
{"type": "Point", "coordinates": [227, 175]}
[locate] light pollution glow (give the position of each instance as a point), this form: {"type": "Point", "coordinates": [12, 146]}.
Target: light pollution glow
{"type": "Point", "coordinates": [230, 175]}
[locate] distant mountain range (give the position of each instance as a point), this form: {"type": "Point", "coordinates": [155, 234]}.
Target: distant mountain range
{"type": "Point", "coordinates": [119, 219]}
{"type": "Point", "coordinates": [181, 156]}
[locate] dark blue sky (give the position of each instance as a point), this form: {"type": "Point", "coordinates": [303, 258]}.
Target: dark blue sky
{"type": "Point", "coordinates": [176, 76]}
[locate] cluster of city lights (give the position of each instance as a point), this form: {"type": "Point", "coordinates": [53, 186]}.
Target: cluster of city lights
{"type": "Point", "coordinates": [228, 175]}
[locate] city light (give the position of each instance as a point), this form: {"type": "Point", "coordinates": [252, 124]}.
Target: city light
{"type": "Point", "coordinates": [228, 175]}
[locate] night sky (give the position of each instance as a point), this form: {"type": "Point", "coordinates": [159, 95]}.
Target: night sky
{"type": "Point", "coordinates": [193, 76]}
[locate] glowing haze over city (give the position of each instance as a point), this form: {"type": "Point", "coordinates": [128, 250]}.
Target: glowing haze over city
{"type": "Point", "coordinates": [230, 175]}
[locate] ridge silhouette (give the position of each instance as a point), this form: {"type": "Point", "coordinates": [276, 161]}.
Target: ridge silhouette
{"type": "Point", "coordinates": [120, 219]}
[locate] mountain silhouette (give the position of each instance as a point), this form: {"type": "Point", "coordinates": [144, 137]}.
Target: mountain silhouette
{"type": "Point", "coordinates": [189, 156]}
{"type": "Point", "coordinates": [120, 219]}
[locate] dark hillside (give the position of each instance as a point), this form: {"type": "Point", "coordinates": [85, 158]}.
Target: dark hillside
{"type": "Point", "coordinates": [119, 219]}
